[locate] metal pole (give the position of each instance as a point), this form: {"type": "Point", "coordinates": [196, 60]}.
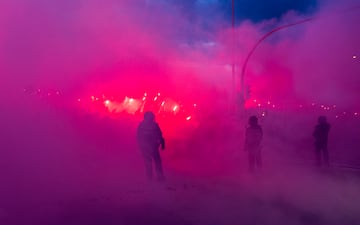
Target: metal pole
{"type": "Point", "coordinates": [233, 55]}
{"type": "Point", "coordinates": [243, 71]}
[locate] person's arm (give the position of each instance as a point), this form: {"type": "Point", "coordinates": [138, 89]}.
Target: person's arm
{"type": "Point", "coordinates": [161, 137]}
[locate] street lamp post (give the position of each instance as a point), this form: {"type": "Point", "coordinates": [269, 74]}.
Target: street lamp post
{"type": "Point", "coordinates": [252, 50]}
{"type": "Point", "coordinates": [265, 36]}
{"type": "Point", "coordinates": [233, 91]}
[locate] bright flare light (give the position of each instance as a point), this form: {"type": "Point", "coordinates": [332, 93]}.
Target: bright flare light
{"type": "Point", "coordinates": [188, 118]}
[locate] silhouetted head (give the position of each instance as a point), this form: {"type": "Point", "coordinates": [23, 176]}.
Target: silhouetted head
{"type": "Point", "coordinates": [149, 116]}
{"type": "Point", "coordinates": [253, 121]}
{"type": "Point", "coordinates": [322, 119]}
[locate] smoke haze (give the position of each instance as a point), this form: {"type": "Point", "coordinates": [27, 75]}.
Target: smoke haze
{"type": "Point", "coordinates": [61, 163]}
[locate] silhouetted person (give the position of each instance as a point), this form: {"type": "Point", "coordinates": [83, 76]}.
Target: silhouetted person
{"type": "Point", "coordinates": [150, 138]}
{"type": "Point", "coordinates": [253, 138]}
{"type": "Point", "coordinates": [320, 134]}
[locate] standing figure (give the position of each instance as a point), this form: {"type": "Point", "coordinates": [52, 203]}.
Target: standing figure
{"type": "Point", "coordinates": [321, 140]}
{"type": "Point", "coordinates": [253, 138]}
{"type": "Point", "coordinates": [150, 138]}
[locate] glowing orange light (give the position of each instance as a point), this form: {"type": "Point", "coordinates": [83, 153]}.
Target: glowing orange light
{"type": "Point", "coordinates": [188, 118]}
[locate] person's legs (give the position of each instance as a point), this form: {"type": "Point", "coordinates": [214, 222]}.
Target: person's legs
{"type": "Point", "coordinates": [158, 164]}
{"type": "Point", "coordinates": [148, 163]}
{"type": "Point", "coordinates": [326, 155]}
{"type": "Point", "coordinates": [251, 161]}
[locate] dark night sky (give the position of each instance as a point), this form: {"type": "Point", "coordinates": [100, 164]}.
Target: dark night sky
{"type": "Point", "coordinates": [255, 10]}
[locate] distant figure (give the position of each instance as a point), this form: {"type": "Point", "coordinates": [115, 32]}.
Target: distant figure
{"type": "Point", "coordinates": [321, 140]}
{"type": "Point", "coordinates": [150, 138]}
{"type": "Point", "coordinates": [253, 138]}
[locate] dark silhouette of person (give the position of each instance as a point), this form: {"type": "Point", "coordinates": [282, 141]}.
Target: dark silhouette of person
{"type": "Point", "coordinates": [253, 138]}
{"type": "Point", "coordinates": [320, 134]}
{"type": "Point", "coordinates": [150, 138]}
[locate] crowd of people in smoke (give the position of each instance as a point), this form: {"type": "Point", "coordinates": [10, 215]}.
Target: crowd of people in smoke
{"type": "Point", "coordinates": [150, 139]}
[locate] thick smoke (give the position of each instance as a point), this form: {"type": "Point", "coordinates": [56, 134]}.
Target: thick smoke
{"type": "Point", "coordinates": [315, 61]}
{"type": "Point", "coordinates": [63, 165]}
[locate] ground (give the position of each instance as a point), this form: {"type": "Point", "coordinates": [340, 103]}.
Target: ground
{"type": "Point", "coordinates": [64, 171]}
{"type": "Point", "coordinates": [308, 197]}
